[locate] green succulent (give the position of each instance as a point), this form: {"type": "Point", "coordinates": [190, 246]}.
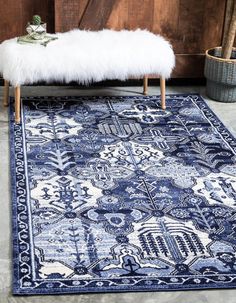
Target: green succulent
{"type": "Point", "coordinates": [36, 20]}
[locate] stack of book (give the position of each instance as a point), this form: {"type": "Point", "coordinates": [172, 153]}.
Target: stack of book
{"type": "Point", "coordinates": [44, 41]}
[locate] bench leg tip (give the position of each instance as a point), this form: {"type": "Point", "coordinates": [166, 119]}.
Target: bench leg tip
{"type": "Point", "coordinates": [145, 93]}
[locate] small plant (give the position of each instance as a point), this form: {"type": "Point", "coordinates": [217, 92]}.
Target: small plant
{"type": "Point", "coordinates": [36, 20]}
{"type": "Point", "coordinates": [36, 29]}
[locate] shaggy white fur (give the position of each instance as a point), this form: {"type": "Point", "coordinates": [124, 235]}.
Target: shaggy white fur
{"type": "Point", "coordinates": [87, 56]}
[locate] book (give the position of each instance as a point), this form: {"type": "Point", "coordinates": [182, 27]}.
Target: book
{"type": "Point", "coordinates": [27, 39]}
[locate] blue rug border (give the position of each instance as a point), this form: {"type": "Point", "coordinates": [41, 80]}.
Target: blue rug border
{"type": "Point", "coordinates": [13, 196]}
{"type": "Point", "coordinates": [16, 290]}
{"type": "Point", "coordinates": [13, 201]}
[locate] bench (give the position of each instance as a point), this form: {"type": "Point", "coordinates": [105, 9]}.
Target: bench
{"type": "Point", "coordinates": [85, 57]}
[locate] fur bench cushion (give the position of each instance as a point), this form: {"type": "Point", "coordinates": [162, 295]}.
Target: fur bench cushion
{"type": "Point", "coordinates": [87, 56]}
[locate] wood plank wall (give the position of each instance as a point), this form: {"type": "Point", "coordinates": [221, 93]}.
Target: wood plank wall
{"type": "Point", "coordinates": [192, 26]}
{"type": "Point", "coordinates": [15, 14]}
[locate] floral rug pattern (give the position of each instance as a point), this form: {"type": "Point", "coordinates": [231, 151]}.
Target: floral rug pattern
{"type": "Point", "coordinates": [114, 194]}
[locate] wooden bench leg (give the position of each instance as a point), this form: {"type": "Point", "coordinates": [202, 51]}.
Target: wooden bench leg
{"type": "Point", "coordinates": [6, 93]}
{"type": "Point", "coordinates": [145, 85]}
{"type": "Point", "coordinates": [17, 104]}
{"type": "Point", "coordinates": [163, 92]}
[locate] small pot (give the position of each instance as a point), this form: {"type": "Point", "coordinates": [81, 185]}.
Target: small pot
{"type": "Point", "coordinates": [221, 75]}
{"type": "Point", "coordinates": [37, 32]}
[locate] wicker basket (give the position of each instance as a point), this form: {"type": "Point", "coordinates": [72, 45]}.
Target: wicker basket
{"type": "Point", "coordinates": [221, 75]}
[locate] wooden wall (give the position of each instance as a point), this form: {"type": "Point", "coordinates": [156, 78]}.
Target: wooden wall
{"type": "Point", "coordinates": [192, 26]}
{"type": "Point", "coordinates": [15, 14]}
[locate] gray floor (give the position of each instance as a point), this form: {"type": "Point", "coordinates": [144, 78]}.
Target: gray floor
{"type": "Point", "coordinates": [226, 112]}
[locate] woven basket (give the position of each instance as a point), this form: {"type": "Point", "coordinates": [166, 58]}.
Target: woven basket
{"type": "Point", "coordinates": [221, 75]}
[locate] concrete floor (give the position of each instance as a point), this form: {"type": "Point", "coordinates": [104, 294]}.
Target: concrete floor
{"type": "Point", "coordinates": [226, 112]}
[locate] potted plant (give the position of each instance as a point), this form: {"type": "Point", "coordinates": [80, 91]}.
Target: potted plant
{"type": "Point", "coordinates": [36, 29]}
{"type": "Point", "coordinates": [220, 63]}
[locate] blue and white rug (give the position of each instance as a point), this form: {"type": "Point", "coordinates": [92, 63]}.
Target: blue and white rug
{"type": "Point", "coordinates": [113, 194]}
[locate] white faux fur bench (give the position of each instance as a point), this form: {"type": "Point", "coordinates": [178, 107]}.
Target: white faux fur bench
{"type": "Point", "coordinates": [86, 56]}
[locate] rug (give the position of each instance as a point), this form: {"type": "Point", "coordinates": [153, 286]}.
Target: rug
{"type": "Point", "coordinates": [114, 194]}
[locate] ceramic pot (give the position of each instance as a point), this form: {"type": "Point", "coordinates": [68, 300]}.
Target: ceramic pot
{"type": "Point", "coordinates": [37, 32]}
